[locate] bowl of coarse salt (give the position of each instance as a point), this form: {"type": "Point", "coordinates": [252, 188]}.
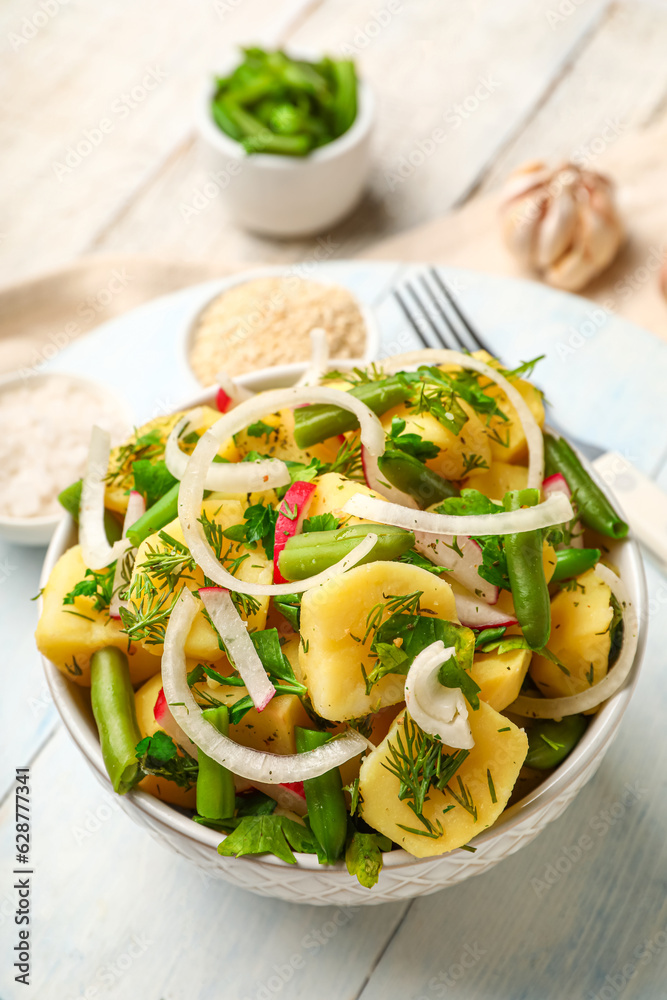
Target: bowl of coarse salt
{"type": "Point", "coordinates": [46, 421]}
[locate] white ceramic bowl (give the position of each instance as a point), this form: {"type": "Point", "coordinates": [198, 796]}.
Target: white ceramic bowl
{"type": "Point", "coordinates": [402, 876]}
{"type": "Point", "coordinates": [39, 530]}
{"type": "Point", "coordinates": [288, 195]}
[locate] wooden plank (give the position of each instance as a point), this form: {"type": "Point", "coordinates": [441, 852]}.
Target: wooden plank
{"type": "Point", "coordinates": [474, 75]}
{"type": "Point", "coordinates": [116, 912]}
{"type": "Point", "coordinates": [618, 83]}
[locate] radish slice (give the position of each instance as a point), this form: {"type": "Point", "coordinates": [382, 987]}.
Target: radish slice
{"type": "Point", "coordinates": [555, 510]}
{"type": "Point", "coordinates": [234, 633]}
{"type": "Point", "coordinates": [378, 484]}
{"type": "Point", "coordinates": [194, 481]}
{"type": "Point", "coordinates": [531, 428]}
{"type": "Point", "coordinates": [95, 548]}
{"type": "Point", "coordinates": [136, 506]}
{"type": "Point", "coordinates": [289, 795]}
{"type": "Point", "coordinates": [461, 565]}
{"type": "Point", "coordinates": [291, 514]}
{"type": "Point", "coordinates": [166, 721]}
{"type": "Point", "coordinates": [475, 614]}
{"type": "Point", "coordinates": [558, 484]}
{"type": "Point", "coordinates": [319, 357]}
{"type": "Point", "coordinates": [230, 393]}
{"type": "Point", "coordinates": [229, 477]}
{"type": "Point", "coordinates": [438, 710]}
{"type": "Point", "coordinates": [255, 765]}
{"type": "Point", "coordinates": [557, 708]}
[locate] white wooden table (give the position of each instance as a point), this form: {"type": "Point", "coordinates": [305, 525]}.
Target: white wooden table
{"type": "Point", "coordinates": [580, 913]}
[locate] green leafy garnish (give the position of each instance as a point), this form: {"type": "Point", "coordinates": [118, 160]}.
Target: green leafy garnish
{"type": "Point", "coordinates": [415, 558]}
{"type": "Point", "coordinates": [494, 560]}
{"type": "Point", "coordinates": [152, 479]}
{"type": "Point", "coordinates": [97, 584]}
{"type": "Point", "coordinates": [411, 444]}
{"type": "Point", "coordinates": [159, 755]}
{"type": "Point", "coordinates": [321, 522]}
{"type": "Point", "coordinates": [259, 526]}
{"type": "Point", "coordinates": [363, 858]}
{"type": "Point", "coordinates": [261, 429]}
{"type": "Point", "coordinates": [147, 446]}
{"type": "Point", "coordinates": [261, 834]}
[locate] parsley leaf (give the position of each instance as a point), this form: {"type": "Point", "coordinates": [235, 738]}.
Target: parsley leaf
{"type": "Point", "coordinates": [260, 525]}
{"type": "Point", "coordinates": [321, 522]}
{"type": "Point", "coordinates": [159, 755]}
{"type": "Point", "coordinates": [494, 560]}
{"type": "Point", "coordinates": [289, 606]}
{"type": "Point", "coordinates": [272, 834]}
{"type": "Point", "coordinates": [411, 444]}
{"type": "Point", "coordinates": [260, 429]}
{"type": "Point", "coordinates": [152, 479]}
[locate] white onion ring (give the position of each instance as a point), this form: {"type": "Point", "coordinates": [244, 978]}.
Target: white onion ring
{"type": "Point", "coordinates": [474, 613]}
{"type": "Point", "coordinates": [136, 507]}
{"type": "Point", "coordinates": [235, 392]}
{"type": "Point", "coordinates": [228, 477]}
{"type": "Point", "coordinates": [252, 764]}
{"type": "Point", "coordinates": [531, 428]}
{"type": "Point", "coordinates": [554, 510]}
{"type": "Point", "coordinates": [557, 708]}
{"type": "Point", "coordinates": [558, 484]}
{"type": "Point", "coordinates": [240, 649]}
{"type": "Point", "coordinates": [438, 710]}
{"type": "Point", "coordinates": [319, 358]}
{"type": "Point", "coordinates": [95, 548]}
{"type": "Point", "coordinates": [193, 484]}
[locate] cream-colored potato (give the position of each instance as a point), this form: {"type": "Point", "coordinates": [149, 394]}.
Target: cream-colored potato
{"type": "Point", "coordinates": [332, 491]}
{"type": "Point", "coordinates": [281, 444]}
{"type": "Point", "coordinates": [500, 676]}
{"type": "Point", "coordinates": [580, 638]}
{"type": "Point", "coordinates": [498, 480]}
{"type": "Point", "coordinates": [69, 634]}
{"type": "Point", "coordinates": [333, 623]}
{"type": "Point", "coordinates": [450, 462]}
{"type": "Point", "coordinates": [500, 749]}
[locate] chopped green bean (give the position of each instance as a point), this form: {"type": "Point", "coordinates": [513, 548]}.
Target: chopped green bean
{"type": "Point", "coordinates": [112, 699]}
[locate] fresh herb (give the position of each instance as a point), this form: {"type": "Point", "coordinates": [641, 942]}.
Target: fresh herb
{"type": "Point", "coordinates": [415, 558]}
{"type": "Point", "coordinates": [464, 798]}
{"type": "Point", "coordinates": [524, 370]}
{"type": "Point", "coordinates": [353, 789]}
{"type": "Point", "coordinates": [356, 376]}
{"type": "Point", "coordinates": [260, 526]}
{"type": "Point", "coordinates": [141, 446]}
{"type": "Point", "coordinates": [261, 429]}
{"type": "Point", "coordinates": [411, 444]}
{"type": "Point", "coordinates": [96, 584]}
{"type": "Point", "coordinates": [147, 612]}
{"type": "Point", "coordinates": [473, 462]}
{"type": "Point", "coordinates": [152, 479]}
{"type": "Point", "coordinates": [492, 787]}
{"type": "Point", "coordinates": [289, 606]}
{"type": "Point", "coordinates": [494, 560]}
{"type": "Point", "coordinates": [616, 628]}
{"type": "Point", "coordinates": [321, 522]}
{"type": "Point", "coordinates": [363, 858]}
{"type": "Point", "coordinates": [159, 755]}
{"type": "Point", "coordinates": [262, 834]}
{"type": "Point", "coordinates": [169, 564]}
{"type": "Point", "coordinates": [348, 460]}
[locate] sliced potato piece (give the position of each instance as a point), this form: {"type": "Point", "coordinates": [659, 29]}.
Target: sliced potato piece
{"type": "Point", "coordinates": [450, 463]}
{"type": "Point", "coordinates": [499, 751]}
{"type": "Point", "coordinates": [580, 638]}
{"type": "Point", "coordinates": [332, 492]}
{"type": "Point", "coordinates": [500, 676]}
{"type": "Point", "coordinates": [69, 634]}
{"type": "Point", "coordinates": [334, 622]}
{"type": "Point", "coordinates": [280, 443]}
{"type": "Point", "coordinates": [498, 480]}
{"type": "Point", "coordinates": [161, 788]}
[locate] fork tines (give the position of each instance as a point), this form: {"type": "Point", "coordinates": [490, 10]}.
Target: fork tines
{"type": "Point", "coordinates": [429, 305]}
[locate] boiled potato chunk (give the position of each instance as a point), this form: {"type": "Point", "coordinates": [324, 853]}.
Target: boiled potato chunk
{"type": "Point", "coordinates": [498, 480]}
{"type": "Point", "coordinates": [271, 729]}
{"type": "Point", "coordinates": [514, 447]}
{"type": "Point", "coordinates": [500, 676]}
{"type": "Point", "coordinates": [332, 492]}
{"type": "Point", "coordinates": [497, 753]}
{"type": "Point", "coordinates": [69, 640]}
{"type": "Point", "coordinates": [116, 493]}
{"type": "Point", "coordinates": [280, 442]}
{"type": "Point", "coordinates": [580, 638]}
{"type": "Point", "coordinates": [450, 462]}
{"type": "Point", "coordinates": [161, 788]}
{"type": "Point", "coordinates": [202, 641]}
{"type": "Point", "coordinates": [334, 622]}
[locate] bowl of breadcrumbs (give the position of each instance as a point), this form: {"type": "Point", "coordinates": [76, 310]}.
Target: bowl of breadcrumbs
{"type": "Point", "coordinates": [262, 322]}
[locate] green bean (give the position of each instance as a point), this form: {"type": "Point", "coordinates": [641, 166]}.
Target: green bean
{"type": "Point", "coordinates": [408, 474]}
{"type": "Point", "coordinates": [311, 552]}
{"type": "Point", "coordinates": [70, 499]}
{"type": "Point", "coordinates": [574, 562]}
{"type": "Point", "coordinates": [115, 714]}
{"type": "Point", "coordinates": [550, 742]}
{"type": "Point", "coordinates": [161, 513]}
{"type": "Point", "coordinates": [327, 810]}
{"type": "Point", "coordinates": [318, 422]}
{"type": "Point", "coordinates": [594, 509]}
{"type": "Point", "coordinates": [215, 783]}
{"type": "Point", "coordinates": [345, 99]}
{"type": "Point", "coordinates": [526, 574]}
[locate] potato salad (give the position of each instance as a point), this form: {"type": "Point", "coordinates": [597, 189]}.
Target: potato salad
{"type": "Point", "coordinates": [360, 614]}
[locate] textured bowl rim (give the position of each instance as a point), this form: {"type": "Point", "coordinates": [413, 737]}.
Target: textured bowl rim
{"type": "Point", "coordinates": [601, 729]}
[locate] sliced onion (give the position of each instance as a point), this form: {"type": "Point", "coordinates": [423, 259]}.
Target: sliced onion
{"type": "Point", "coordinates": [287, 795]}
{"type": "Point", "coordinates": [474, 613]}
{"type": "Point", "coordinates": [379, 485]}
{"type": "Point", "coordinates": [230, 393]}
{"type": "Point", "coordinates": [462, 557]}
{"type": "Point", "coordinates": [165, 720]}
{"type": "Point", "coordinates": [557, 708]}
{"type": "Point", "coordinates": [531, 428]}
{"type": "Point", "coordinates": [229, 477]}
{"type": "Point", "coordinates": [194, 481]}
{"type": "Point", "coordinates": [136, 506]}
{"type": "Point", "coordinates": [438, 710]}
{"type": "Point", "coordinates": [555, 510]}
{"type": "Point", "coordinates": [95, 548]}
{"type": "Point", "coordinates": [255, 765]}
{"type": "Point", "coordinates": [319, 358]}
{"type": "Point", "coordinates": [234, 633]}
{"type": "Point", "coordinates": [558, 484]}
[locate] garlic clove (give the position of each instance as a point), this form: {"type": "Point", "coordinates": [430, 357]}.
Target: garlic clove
{"type": "Point", "coordinates": [556, 231]}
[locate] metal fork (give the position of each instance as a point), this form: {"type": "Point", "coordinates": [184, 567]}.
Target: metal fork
{"type": "Point", "coordinates": [429, 305]}
{"type": "Point", "coordinates": [434, 304]}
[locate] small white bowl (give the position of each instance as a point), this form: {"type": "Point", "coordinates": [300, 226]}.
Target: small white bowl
{"type": "Point", "coordinates": [39, 530]}
{"type": "Point", "coordinates": [289, 195]}
{"type": "Point", "coordinates": [403, 876]}
{"type": "Point", "coordinates": [373, 339]}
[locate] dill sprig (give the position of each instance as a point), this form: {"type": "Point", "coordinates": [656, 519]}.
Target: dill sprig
{"type": "Point", "coordinates": [420, 763]}
{"type": "Point", "coordinates": [140, 446]}
{"type": "Point", "coordinates": [148, 610]}
{"type": "Point", "coordinates": [472, 462]}
{"type": "Point", "coordinates": [464, 798]}
{"type": "Point", "coordinates": [96, 584]}
{"type": "Point", "coordinates": [348, 460]}
{"type": "Point", "coordinates": [167, 565]}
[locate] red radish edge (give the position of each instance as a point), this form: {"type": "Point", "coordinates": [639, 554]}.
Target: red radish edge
{"type": "Point", "coordinates": [160, 706]}
{"type": "Point", "coordinates": [556, 484]}
{"type": "Point", "coordinates": [299, 497]}
{"type": "Point", "coordinates": [481, 628]}
{"type": "Point", "coordinates": [222, 400]}
{"type": "Point", "coordinates": [294, 786]}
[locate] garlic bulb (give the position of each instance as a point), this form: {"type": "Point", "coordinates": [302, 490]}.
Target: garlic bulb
{"type": "Point", "coordinates": [562, 223]}
{"type": "Point", "coordinates": [663, 278]}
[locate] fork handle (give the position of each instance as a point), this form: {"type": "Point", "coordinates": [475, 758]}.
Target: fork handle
{"type": "Point", "coordinates": [644, 503]}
